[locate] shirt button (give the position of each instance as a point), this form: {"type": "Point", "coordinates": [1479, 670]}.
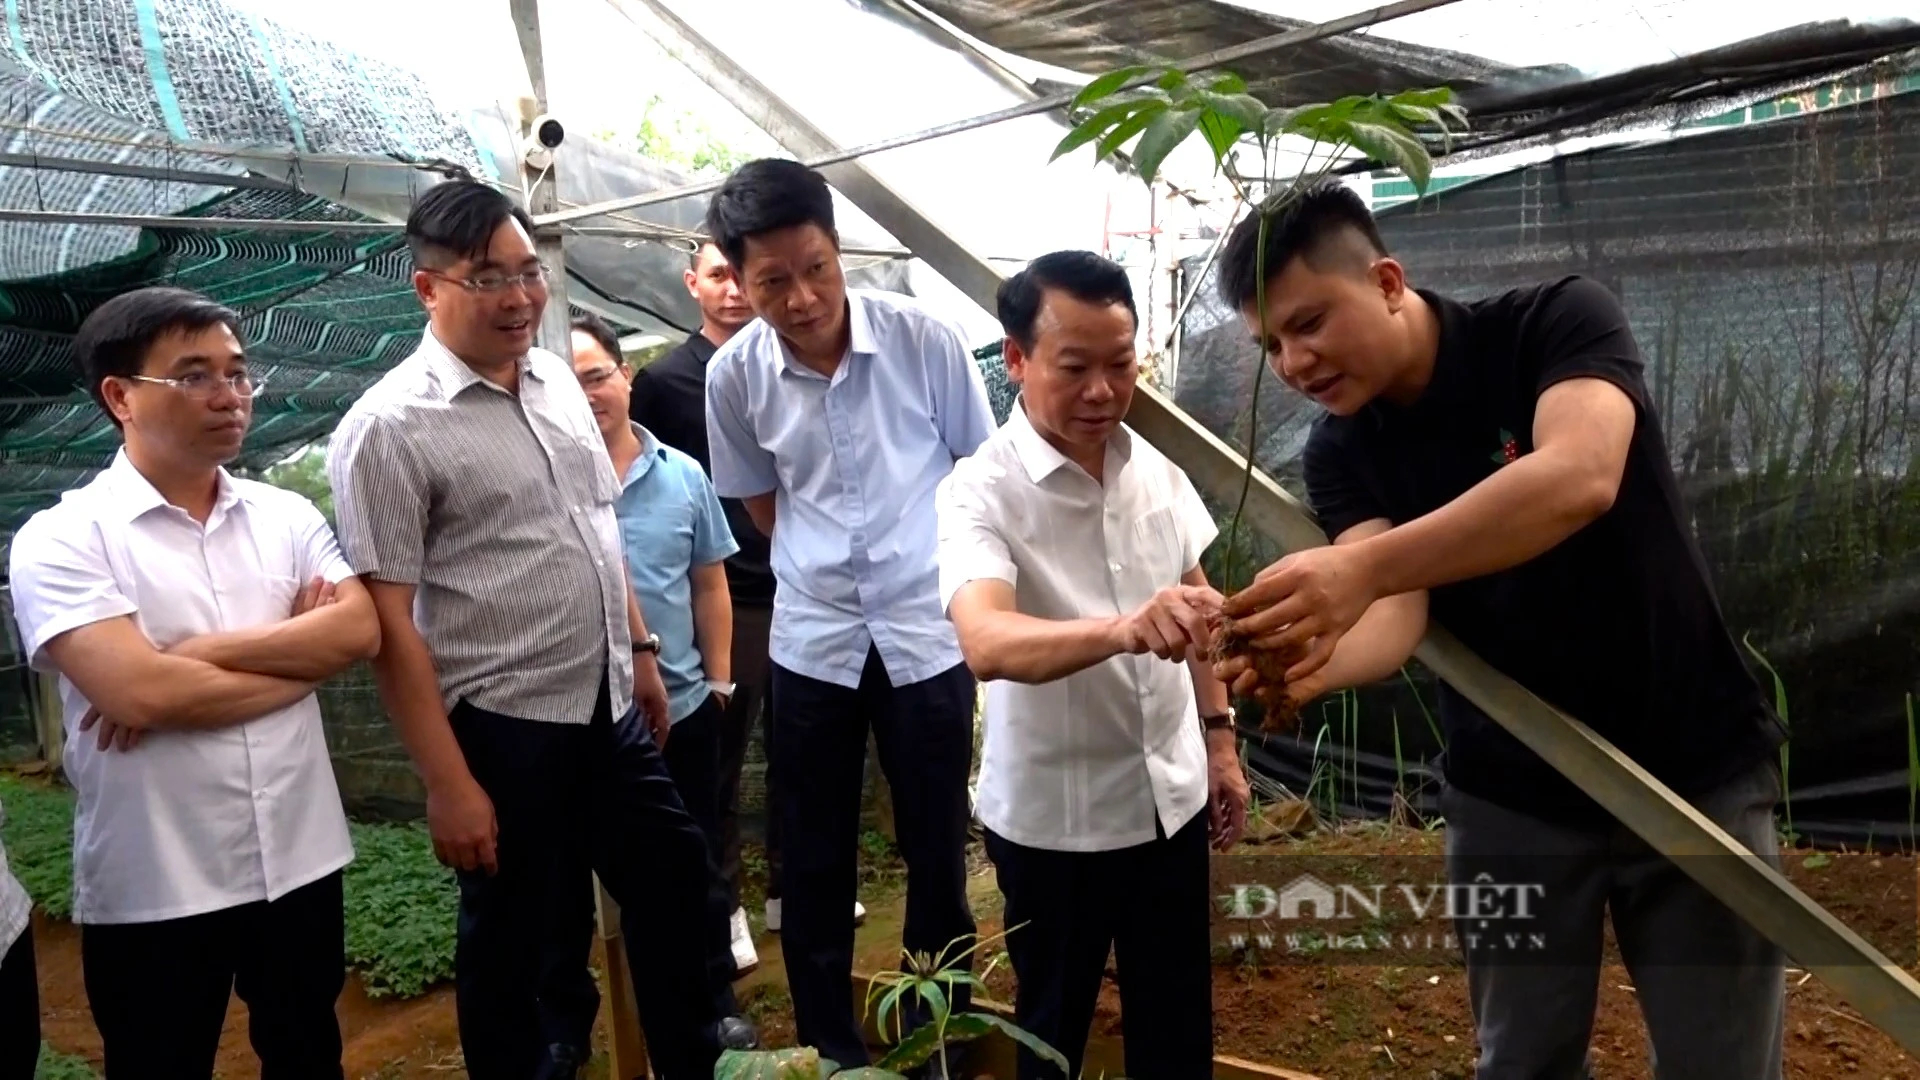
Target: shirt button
{"type": "Point", "coordinates": [1115, 567]}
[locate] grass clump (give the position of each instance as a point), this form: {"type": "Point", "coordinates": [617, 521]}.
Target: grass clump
{"type": "Point", "coordinates": [401, 909]}
{"type": "Point", "coordinates": [54, 1065]}
{"type": "Point", "coordinates": [401, 903]}
{"type": "Point", "coordinates": [39, 838]}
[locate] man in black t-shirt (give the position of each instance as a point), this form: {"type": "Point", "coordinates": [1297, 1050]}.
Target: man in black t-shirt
{"type": "Point", "coordinates": [670, 401]}
{"type": "Point", "coordinates": [1500, 464]}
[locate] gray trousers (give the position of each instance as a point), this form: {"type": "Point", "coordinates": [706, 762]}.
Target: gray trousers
{"type": "Point", "coordinates": [1712, 989]}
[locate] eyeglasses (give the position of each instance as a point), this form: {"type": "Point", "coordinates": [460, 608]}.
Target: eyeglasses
{"type": "Point", "coordinates": [202, 387]}
{"type": "Point", "coordinates": [492, 283]}
{"type": "Point", "coordinates": [592, 380]}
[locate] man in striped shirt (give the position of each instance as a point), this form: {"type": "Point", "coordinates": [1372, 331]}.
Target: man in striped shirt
{"type": "Point", "coordinates": [476, 497]}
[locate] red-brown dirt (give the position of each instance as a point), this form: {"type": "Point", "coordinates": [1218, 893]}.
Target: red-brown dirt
{"type": "Point", "coordinates": [1375, 1016]}
{"type": "Point", "coordinates": [1407, 1014]}
{"type": "Point", "coordinates": [385, 1038]}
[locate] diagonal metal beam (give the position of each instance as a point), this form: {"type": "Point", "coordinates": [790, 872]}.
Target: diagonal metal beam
{"type": "Point", "coordinates": [1813, 938]}
{"type": "Point", "coordinates": [1332, 28]}
{"type": "Point", "coordinates": [166, 173]}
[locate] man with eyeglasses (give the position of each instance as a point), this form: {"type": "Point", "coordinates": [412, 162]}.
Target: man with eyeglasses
{"type": "Point", "coordinates": [677, 541]}
{"type": "Point", "coordinates": [476, 497]}
{"type": "Point", "coordinates": [190, 615]}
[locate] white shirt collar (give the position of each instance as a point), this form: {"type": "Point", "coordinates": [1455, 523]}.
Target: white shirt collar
{"type": "Point", "coordinates": [135, 495]}
{"type": "Point", "coordinates": [1041, 458]}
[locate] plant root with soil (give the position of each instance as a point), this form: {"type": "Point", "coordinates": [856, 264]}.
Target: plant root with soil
{"type": "Point", "coordinates": [1278, 711]}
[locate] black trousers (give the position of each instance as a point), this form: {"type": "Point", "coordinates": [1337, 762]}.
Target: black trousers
{"type": "Point", "coordinates": [159, 990]}
{"type": "Point", "coordinates": [924, 734]}
{"type": "Point", "coordinates": [1149, 904]}
{"type": "Point", "coordinates": [572, 800]}
{"type": "Point", "coordinates": [19, 1010]}
{"type": "Point", "coordinates": [751, 626]}
{"type": "Point", "coordinates": [693, 760]}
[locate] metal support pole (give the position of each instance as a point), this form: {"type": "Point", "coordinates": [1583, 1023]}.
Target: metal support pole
{"type": "Point", "coordinates": [1331, 28]}
{"type": "Point", "coordinates": [1885, 994]}
{"type": "Point", "coordinates": [541, 191]}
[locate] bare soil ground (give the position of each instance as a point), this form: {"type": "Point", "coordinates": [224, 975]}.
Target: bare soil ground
{"type": "Point", "coordinates": [1332, 1016]}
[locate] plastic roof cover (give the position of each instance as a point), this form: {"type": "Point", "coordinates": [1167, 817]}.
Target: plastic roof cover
{"type": "Point", "coordinates": [224, 93]}
{"type": "Point", "coordinates": [1521, 67]}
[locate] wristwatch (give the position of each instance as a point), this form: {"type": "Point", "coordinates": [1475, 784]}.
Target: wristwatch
{"type": "Point", "coordinates": [1222, 722]}
{"type": "Point", "coordinates": [650, 644]}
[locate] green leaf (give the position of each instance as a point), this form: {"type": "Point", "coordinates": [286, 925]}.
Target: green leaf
{"type": "Point", "coordinates": [1091, 127]}
{"type": "Point", "coordinates": [1279, 122]}
{"type": "Point", "coordinates": [1250, 111]}
{"type": "Point", "coordinates": [1167, 130]}
{"type": "Point", "coordinates": [1220, 133]}
{"type": "Point", "coordinates": [1433, 97]}
{"type": "Point", "coordinates": [949, 978]}
{"type": "Point", "coordinates": [792, 1063]}
{"type": "Point", "coordinates": [1125, 130]}
{"type": "Point", "coordinates": [889, 1004]}
{"type": "Point", "coordinates": [920, 1044]}
{"type": "Point", "coordinates": [1395, 147]}
{"type": "Point", "coordinates": [1025, 1038]}
{"type": "Point", "coordinates": [1415, 114]}
{"type": "Point", "coordinates": [935, 999]}
{"type": "Point", "coordinates": [1816, 860]}
{"type": "Point", "coordinates": [1107, 84]}
{"type": "Point", "coordinates": [1173, 80]}
{"type": "Point", "coordinates": [1229, 83]}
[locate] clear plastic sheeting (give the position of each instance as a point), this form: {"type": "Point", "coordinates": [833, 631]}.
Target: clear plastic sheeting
{"type": "Point", "coordinates": [203, 70]}
{"type": "Point", "coordinates": [1093, 38]}
{"type": "Point", "coordinates": [1772, 274]}
{"type": "Point", "coordinates": [1526, 70]}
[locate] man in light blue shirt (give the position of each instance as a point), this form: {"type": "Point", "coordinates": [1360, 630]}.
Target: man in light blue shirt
{"type": "Point", "coordinates": [674, 535]}
{"type": "Point", "coordinates": [835, 415]}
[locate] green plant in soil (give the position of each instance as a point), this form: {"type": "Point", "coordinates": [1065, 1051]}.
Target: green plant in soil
{"type": "Point", "coordinates": [1159, 108]}
{"type": "Point", "coordinates": [54, 1065]}
{"type": "Point", "coordinates": [39, 838]}
{"type": "Point", "coordinates": [400, 902]}
{"type": "Point", "coordinates": [927, 980]}
{"type": "Point", "coordinates": [401, 909]}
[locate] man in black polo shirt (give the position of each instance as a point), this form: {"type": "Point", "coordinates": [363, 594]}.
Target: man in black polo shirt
{"type": "Point", "coordinates": [670, 400]}
{"type": "Point", "coordinates": [1500, 462]}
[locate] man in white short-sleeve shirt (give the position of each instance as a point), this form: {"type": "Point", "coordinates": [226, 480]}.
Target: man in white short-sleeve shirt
{"type": "Point", "coordinates": [1070, 567]}
{"type": "Point", "coordinates": [190, 615]}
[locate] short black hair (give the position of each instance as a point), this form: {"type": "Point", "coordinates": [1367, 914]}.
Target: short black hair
{"type": "Point", "coordinates": [766, 195]}
{"type": "Point", "coordinates": [114, 339]}
{"type": "Point", "coordinates": [596, 328]}
{"type": "Point", "coordinates": [1311, 226]}
{"type": "Point", "coordinates": [456, 220]}
{"type": "Point", "coordinates": [700, 247]}
{"type": "Point", "coordinates": [1081, 274]}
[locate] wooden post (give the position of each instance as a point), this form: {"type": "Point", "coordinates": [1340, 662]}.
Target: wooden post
{"type": "Point", "coordinates": [617, 999]}
{"type": "Point", "coordinates": [49, 719]}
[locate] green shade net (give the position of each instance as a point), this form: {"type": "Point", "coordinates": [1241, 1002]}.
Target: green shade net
{"type": "Point", "coordinates": [323, 314]}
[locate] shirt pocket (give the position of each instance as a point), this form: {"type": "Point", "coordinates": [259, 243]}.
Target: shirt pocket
{"type": "Point", "coordinates": [659, 539]}
{"type": "Point", "coordinates": [1159, 549]}
{"type": "Point", "coordinates": [269, 599]}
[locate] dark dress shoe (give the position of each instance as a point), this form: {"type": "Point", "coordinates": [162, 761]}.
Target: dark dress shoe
{"type": "Point", "coordinates": [736, 1033]}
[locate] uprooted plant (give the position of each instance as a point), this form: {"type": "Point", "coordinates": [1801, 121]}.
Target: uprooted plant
{"type": "Point", "coordinates": [1164, 106]}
